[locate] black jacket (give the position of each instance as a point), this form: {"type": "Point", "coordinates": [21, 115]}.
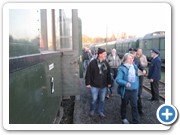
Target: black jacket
{"type": "Point", "coordinates": [138, 63]}
{"type": "Point", "coordinates": [94, 78]}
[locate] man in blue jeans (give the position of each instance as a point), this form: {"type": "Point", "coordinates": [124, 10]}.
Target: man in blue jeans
{"type": "Point", "coordinates": [98, 78]}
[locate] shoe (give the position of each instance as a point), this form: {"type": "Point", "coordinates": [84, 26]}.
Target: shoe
{"type": "Point", "coordinates": [125, 121]}
{"type": "Point", "coordinates": [91, 113]}
{"type": "Point", "coordinates": [102, 115]}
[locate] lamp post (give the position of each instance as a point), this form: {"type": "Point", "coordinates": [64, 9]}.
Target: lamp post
{"type": "Point", "coordinates": [106, 35]}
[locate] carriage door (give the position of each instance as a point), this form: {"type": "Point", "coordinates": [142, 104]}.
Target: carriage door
{"type": "Point", "coordinates": [71, 48]}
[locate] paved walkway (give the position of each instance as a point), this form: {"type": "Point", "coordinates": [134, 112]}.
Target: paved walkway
{"type": "Point", "coordinates": [112, 109]}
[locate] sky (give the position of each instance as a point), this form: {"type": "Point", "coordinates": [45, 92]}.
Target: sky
{"type": "Point", "coordinates": [19, 29]}
{"type": "Point", "coordinates": [101, 20]}
{"type": "Point", "coordinates": [132, 18]}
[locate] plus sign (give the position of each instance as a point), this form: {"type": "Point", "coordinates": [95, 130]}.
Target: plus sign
{"type": "Point", "coordinates": [167, 114]}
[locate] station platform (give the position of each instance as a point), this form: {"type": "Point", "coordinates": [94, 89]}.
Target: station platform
{"type": "Point", "coordinates": [112, 109]}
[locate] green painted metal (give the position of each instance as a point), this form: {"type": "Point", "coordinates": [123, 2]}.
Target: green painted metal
{"type": "Point", "coordinates": [30, 97]}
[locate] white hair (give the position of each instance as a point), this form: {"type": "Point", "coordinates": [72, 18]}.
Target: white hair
{"type": "Point", "coordinates": [113, 50]}
{"type": "Point", "coordinates": [126, 55]}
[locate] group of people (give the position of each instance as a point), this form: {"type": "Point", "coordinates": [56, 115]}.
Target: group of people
{"type": "Point", "coordinates": [103, 71]}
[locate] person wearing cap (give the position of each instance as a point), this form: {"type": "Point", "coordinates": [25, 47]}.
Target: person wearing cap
{"type": "Point", "coordinates": [132, 49]}
{"type": "Point", "coordinates": [98, 78]}
{"type": "Point", "coordinates": [155, 74]}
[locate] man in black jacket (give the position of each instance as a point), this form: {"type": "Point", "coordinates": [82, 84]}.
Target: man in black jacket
{"type": "Point", "coordinates": [98, 78]}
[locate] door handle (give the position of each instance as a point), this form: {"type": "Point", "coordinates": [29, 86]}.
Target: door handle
{"type": "Point", "coordinates": [52, 84]}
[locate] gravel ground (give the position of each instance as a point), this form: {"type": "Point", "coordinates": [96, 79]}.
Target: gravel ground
{"type": "Point", "coordinates": [76, 110]}
{"type": "Point", "coordinates": [112, 110]}
{"type": "Point", "coordinates": [68, 105]}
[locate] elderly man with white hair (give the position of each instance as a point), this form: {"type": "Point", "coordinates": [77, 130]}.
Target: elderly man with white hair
{"type": "Point", "coordinates": [114, 63]}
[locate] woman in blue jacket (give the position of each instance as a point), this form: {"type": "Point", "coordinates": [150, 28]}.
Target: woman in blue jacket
{"type": "Point", "coordinates": [128, 81]}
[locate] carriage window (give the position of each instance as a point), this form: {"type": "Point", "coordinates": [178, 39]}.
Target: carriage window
{"type": "Point", "coordinates": [148, 44]}
{"type": "Point", "coordinates": [65, 29]}
{"type": "Point", "coordinates": [141, 44]}
{"type": "Point", "coordinates": [145, 44]}
{"type": "Point", "coordinates": [24, 40]}
{"type": "Point", "coordinates": [57, 29]}
{"type": "Point", "coordinates": [32, 31]}
{"type": "Point", "coordinates": [50, 39]}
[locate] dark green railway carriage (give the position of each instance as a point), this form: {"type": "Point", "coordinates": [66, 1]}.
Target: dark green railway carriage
{"type": "Point", "coordinates": [44, 52]}
{"type": "Point", "coordinates": [149, 41]}
{"type": "Point", "coordinates": [153, 40]}
{"type": "Point", "coordinates": [107, 46]}
{"type": "Point", "coordinates": [110, 46]}
{"type": "Point", "coordinates": [123, 46]}
{"type": "Point", "coordinates": [101, 45]}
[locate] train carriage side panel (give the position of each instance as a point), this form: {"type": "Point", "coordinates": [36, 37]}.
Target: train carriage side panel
{"type": "Point", "coordinates": [25, 99]}
{"type": "Point", "coordinates": [35, 91]}
{"type": "Point", "coordinates": [134, 43]}
{"type": "Point", "coordinates": [110, 46]}
{"type": "Point", "coordinates": [147, 46]}
{"type": "Point", "coordinates": [162, 49]}
{"type": "Point", "coordinates": [47, 68]}
{"type": "Point", "coordinates": [101, 45]}
{"type": "Point", "coordinates": [35, 88]}
{"type": "Point", "coordinates": [119, 48]}
{"type": "Point", "coordinates": [150, 41]}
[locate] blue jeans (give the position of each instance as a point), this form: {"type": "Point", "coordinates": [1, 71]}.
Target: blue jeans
{"type": "Point", "coordinates": [94, 93]}
{"type": "Point", "coordinates": [132, 96]}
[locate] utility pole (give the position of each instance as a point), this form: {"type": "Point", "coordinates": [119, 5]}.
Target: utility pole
{"type": "Point", "coordinates": [106, 35]}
